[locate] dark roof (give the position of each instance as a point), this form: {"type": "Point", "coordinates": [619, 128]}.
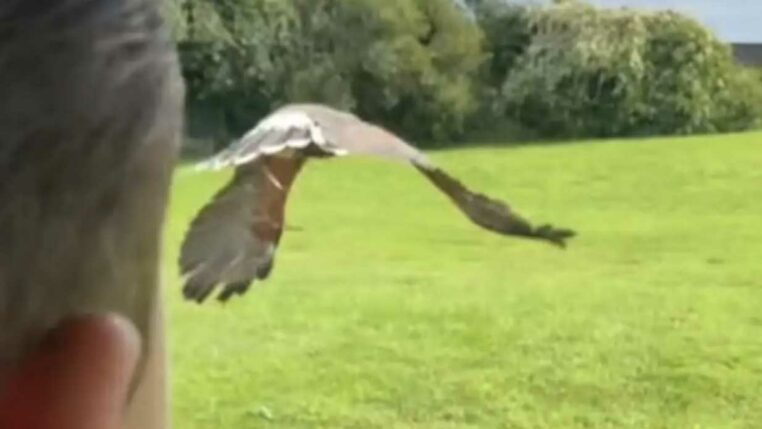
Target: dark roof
{"type": "Point", "coordinates": [749, 54]}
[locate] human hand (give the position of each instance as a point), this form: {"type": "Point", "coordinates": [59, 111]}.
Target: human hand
{"type": "Point", "coordinates": [78, 378]}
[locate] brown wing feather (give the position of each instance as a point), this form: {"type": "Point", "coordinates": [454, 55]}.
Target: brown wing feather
{"type": "Point", "coordinates": [233, 239]}
{"type": "Point", "coordinates": [356, 136]}
{"type": "Point", "coordinates": [490, 213]}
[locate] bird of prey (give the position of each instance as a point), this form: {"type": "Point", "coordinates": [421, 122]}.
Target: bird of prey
{"type": "Point", "coordinates": [233, 239]}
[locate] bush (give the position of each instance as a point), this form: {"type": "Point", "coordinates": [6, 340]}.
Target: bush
{"type": "Point", "coordinates": [592, 72]}
{"type": "Point", "coordinates": [236, 56]}
{"type": "Point", "coordinates": [508, 31]}
{"type": "Point", "coordinates": [408, 64]}
{"type": "Point", "coordinates": [740, 102]}
{"type": "Point", "coordinates": [432, 72]}
{"type": "Point", "coordinates": [693, 84]}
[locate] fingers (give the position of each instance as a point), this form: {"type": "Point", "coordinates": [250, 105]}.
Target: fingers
{"type": "Point", "coordinates": [78, 379]}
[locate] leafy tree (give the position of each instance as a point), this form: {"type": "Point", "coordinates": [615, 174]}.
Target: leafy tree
{"type": "Point", "coordinates": [410, 64]}
{"type": "Point", "coordinates": [693, 84]}
{"type": "Point", "coordinates": [612, 72]}
{"type": "Point", "coordinates": [434, 69]}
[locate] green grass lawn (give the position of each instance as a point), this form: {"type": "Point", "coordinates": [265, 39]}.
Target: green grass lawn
{"type": "Point", "coordinates": [390, 310]}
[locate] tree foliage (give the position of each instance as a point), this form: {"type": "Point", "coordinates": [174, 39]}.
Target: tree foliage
{"type": "Point", "coordinates": [409, 64]}
{"type": "Point", "coordinates": [435, 70]}
{"type": "Point", "coordinates": [613, 72]}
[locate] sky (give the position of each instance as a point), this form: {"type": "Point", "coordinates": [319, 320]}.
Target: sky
{"type": "Point", "coordinates": [731, 20]}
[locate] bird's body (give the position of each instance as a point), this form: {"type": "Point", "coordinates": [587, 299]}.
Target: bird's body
{"type": "Point", "coordinates": [233, 239]}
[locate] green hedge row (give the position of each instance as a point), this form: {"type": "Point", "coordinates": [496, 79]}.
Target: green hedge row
{"type": "Point", "coordinates": [438, 75]}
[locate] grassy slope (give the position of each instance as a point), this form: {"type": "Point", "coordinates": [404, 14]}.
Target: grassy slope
{"type": "Point", "coordinates": [389, 310]}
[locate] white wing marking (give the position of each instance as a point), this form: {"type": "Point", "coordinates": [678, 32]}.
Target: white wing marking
{"type": "Point", "coordinates": [278, 121]}
{"type": "Point", "coordinates": [272, 178]}
{"type": "Point", "coordinates": [286, 120]}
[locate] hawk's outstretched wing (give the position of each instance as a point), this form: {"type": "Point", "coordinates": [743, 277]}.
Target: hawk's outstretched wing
{"type": "Point", "coordinates": [233, 239]}
{"type": "Point", "coordinates": [490, 213]}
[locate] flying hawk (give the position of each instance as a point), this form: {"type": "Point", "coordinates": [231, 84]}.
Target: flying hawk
{"type": "Point", "coordinates": [233, 239]}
